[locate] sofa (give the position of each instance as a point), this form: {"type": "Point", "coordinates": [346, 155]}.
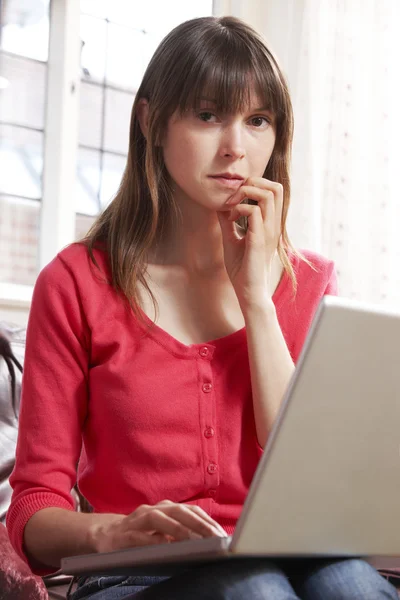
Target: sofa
{"type": "Point", "coordinates": [17, 582]}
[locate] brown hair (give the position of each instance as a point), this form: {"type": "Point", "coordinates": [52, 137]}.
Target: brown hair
{"type": "Point", "coordinates": [219, 57]}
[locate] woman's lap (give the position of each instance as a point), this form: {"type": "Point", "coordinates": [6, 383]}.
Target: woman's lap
{"type": "Point", "coordinates": [112, 588]}
{"type": "Point", "coordinates": [259, 579]}
{"type": "Point", "coordinates": [349, 579]}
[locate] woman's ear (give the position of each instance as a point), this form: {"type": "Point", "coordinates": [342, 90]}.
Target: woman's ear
{"type": "Point", "coordinates": [142, 113]}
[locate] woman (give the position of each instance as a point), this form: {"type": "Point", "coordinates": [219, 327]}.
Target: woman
{"type": "Point", "coordinates": [174, 414]}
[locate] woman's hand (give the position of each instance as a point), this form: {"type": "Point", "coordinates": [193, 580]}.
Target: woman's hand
{"type": "Point", "coordinates": [164, 522]}
{"type": "Point", "coordinates": [249, 258]}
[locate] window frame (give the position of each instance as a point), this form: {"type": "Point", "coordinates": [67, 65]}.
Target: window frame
{"type": "Point", "coordinates": [61, 143]}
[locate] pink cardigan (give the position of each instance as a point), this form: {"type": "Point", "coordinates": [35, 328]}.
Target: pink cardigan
{"type": "Point", "coordinates": [146, 416]}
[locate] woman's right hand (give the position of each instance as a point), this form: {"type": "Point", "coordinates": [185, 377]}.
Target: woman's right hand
{"type": "Point", "coordinates": [164, 522]}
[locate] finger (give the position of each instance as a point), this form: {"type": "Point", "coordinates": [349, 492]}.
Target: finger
{"type": "Point", "coordinates": [273, 186]}
{"type": "Point", "coordinates": [266, 184]}
{"type": "Point", "coordinates": [255, 220]}
{"type": "Point", "coordinates": [267, 210]}
{"type": "Point", "coordinates": [202, 513]}
{"type": "Point", "coordinates": [270, 225]}
{"type": "Point", "coordinates": [246, 191]}
{"type": "Point", "coordinates": [198, 523]}
{"type": "Point", "coordinates": [231, 240]}
{"type": "Point", "coordinates": [143, 508]}
{"type": "Point", "coordinates": [228, 228]}
{"type": "Point", "coordinates": [133, 538]}
{"type": "Point", "coordinates": [185, 514]}
{"type": "Point", "coordinates": [264, 198]}
{"type": "Point", "coordinates": [262, 183]}
{"type": "Point", "coordinates": [158, 521]}
{"type": "Point", "coordinates": [198, 510]}
{"type": "Point", "coordinates": [271, 209]}
{"type": "Point", "coordinates": [244, 210]}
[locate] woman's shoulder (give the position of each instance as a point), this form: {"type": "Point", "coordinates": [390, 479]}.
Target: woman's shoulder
{"type": "Point", "coordinates": [74, 283]}
{"type": "Point", "coordinates": [78, 255]}
{"type": "Point", "coordinates": [315, 273]}
{"type": "Point", "coordinates": [316, 260]}
{"type": "Point", "coordinates": [315, 278]}
{"type": "Point", "coordinates": [80, 265]}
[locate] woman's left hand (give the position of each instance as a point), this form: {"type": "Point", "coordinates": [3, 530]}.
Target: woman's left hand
{"type": "Point", "coordinates": [249, 258]}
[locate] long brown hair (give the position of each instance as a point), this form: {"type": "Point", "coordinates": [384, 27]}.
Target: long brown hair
{"type": "Point", "coordinates": [224, 59]}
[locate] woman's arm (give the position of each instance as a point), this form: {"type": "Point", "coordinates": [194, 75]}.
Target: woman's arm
{"type": "Point", "coordinates": [53, 533]}
{"type": "Point", "coordinates": [53, 401]}
{"type": "Point", "coordinates": [271, 366]}
{"type": "Point", "coordinates": [249, 263]}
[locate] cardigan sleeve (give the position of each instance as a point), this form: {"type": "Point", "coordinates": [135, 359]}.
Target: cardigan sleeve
{"type": "Point", "coordinates": [53, 401]}
{"type": "Point", "coordinates": [313, 286]}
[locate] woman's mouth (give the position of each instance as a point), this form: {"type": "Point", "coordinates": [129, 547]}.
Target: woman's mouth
{"type": "Point", "coordinates": [229, 181]}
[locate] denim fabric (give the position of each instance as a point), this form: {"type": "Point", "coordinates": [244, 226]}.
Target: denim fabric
{"type": "Point", "coordinates": [112, 588]}
{"type": "Point", "coordinates": [255, 579]}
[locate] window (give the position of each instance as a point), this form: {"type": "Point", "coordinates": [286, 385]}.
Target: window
{"type": "Point", "coordinates": [117, 40]}
{"type": "Point", "coordinates": [24, 29]}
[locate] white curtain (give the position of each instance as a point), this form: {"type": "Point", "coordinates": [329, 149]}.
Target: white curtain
{"type": "Point", "coordinates": [342, 61]}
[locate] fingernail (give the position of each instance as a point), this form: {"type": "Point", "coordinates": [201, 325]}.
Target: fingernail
{"type": "Point", "coordinates": [223, 533]}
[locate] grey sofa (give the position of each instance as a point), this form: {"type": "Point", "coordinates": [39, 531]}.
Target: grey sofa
{"type": "Point", "coordinates": [14, 575]}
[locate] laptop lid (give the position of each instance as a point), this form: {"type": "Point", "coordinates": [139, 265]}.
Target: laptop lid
{"type": "Point", "coordinates": [329, 480]}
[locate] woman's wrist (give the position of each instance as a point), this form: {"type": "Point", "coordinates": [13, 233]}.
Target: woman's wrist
{"type": "Point", "coordinates": [99, 532]}
{"type": "Point", "coordinates": [256, 308]}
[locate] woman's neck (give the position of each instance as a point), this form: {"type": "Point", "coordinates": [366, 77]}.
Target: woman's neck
{"type": "Point", "coordinates": [196, 249]}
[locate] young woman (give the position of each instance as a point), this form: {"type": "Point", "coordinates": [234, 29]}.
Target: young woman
{"type": "Point", "coordinates": [168, 418]}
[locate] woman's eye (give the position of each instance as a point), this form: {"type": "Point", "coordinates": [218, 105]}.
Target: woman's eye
{"type": "Point", "coordinates": [206, 116]}
{"type": "Point", "coordinates": [259, 121]}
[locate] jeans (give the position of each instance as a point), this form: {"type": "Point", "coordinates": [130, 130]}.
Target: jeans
{"type": "Point", "coordinates": [249, 579]}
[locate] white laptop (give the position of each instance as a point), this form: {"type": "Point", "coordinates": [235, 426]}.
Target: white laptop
{"type": "Point", "coordinates": [328, 484]}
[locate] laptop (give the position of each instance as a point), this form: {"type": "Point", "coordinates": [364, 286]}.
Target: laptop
{"type": "Point", "coordinates": [328, 484]}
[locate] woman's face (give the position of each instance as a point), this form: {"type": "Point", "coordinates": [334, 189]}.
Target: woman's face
{"type": "Point", "coordinates": [202, 145]}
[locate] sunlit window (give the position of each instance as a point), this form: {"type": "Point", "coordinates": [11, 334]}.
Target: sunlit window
{"type": "Point", "coordinates": [118, 39]}
{"type": "Point", "coordinates": [24, 33]}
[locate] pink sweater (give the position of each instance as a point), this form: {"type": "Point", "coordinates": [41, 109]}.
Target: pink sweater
{"type": "Point", "coordinates": [147, 417]}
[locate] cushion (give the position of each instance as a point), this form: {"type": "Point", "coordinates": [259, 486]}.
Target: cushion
{"type": "Point", "coordinates": [16, 579]}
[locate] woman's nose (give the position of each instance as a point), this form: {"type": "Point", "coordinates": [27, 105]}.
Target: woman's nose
{"type": "Point", "coordinates": [232, 143]}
